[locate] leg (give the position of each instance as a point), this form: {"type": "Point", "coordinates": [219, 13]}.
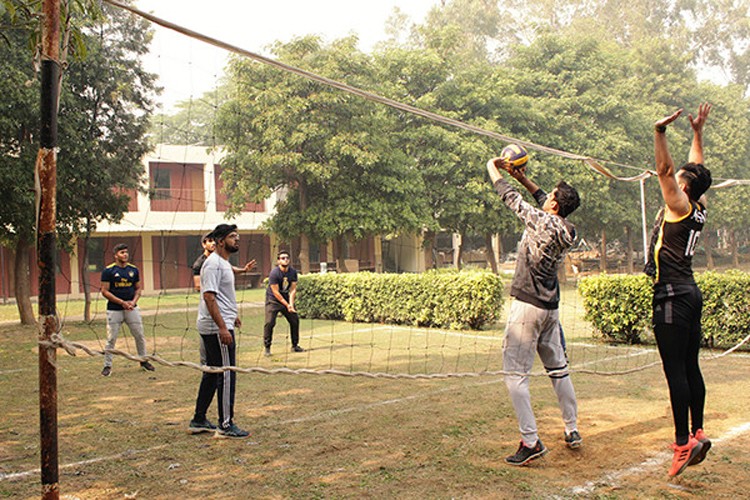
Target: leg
{"type": "Point", "coordinates": [694, 375]}
{"type": "Point", "coordinates": [672, 341]}
{"type": "Point", "coordinates": [114, 321]}
{"type": "Point", "coordinates": [552, 353]}
{"type": "Point", "coordinates": [270, 323]}
{"type": "Point", "coordinates": [293, 319]}
{"type": "Point", "coordinates": [519, 347]}
{"type": "Point", "coordinates": [210, 349]}
{"type": "Point", "coordinates": [226, 384]}
{"type": "Point", "coordinates": [135, 324]}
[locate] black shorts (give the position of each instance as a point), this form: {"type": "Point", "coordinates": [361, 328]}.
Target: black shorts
{"type": "Point", "coordinates": [677, 304]}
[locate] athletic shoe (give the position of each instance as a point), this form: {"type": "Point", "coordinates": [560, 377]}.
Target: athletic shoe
{"type": "Point", "coordinates": [573, 440]}
{"type": "Point", "coordinates": [525, 454]}
{"type": "Point", "coordinates": [296, 348]}
{"type": "Point", "coordinates": [702, 439]}
{"type": "Point", "coordinates": [267, 352]}
{"type": "Point", "coordinates": [147, 366]}
{"type": "Point", "coordinates": [198, 426]}
{"type": "Point", "coordinates": [231, 432]}
{"type": "Point", "coordinates": [106, 371]}
{"type": "Point", "coordinates": [683, 455]}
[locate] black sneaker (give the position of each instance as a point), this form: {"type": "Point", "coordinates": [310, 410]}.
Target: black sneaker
{"type": "Point", "coordinates": [267, 352]}
{"type": "Point", "coordinates": [573, 440]}
{"type": "Point", "coordinates": [525, 454]}
{"type": "Point", "coordinates": [106, 371]}
{"type": "Point", "coordinates": [198, 426]}
{"type": "Point", "coordinates": [231, 432]}
{"type": "Point", "coordinates": [147, 366]}
{"type": "Point", "coordinates": [296, 348]}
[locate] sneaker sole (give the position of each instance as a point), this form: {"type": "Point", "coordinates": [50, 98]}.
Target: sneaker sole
{"type": "Point", "coordinates": [218, 435]}
{"type": "Point", "coordinates": [574, 445]}
{"type": "Point", "coordinates": [199, 430]}
{"type": "Point", "coordinates": [531, 458]}
{"type": "Point", "coordinates": [704, 451]}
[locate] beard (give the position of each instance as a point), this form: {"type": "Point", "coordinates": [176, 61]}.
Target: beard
{"type": "Point", "coordinates": [233, 248]}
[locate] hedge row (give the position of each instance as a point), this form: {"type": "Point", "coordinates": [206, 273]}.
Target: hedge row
{"type": "Point", "coordinates": [448, 299]}
{"type": "Point", "coordinates": [619, 307]}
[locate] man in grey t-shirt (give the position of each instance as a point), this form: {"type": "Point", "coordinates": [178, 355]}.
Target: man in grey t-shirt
{"type": "Point", "coordinates": [217, 317]}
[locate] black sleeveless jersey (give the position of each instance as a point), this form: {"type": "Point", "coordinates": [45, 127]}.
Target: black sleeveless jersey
{"type": "Point", "coordinates": [675, 246]}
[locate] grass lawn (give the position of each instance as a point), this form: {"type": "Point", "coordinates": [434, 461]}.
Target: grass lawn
{"type": "Point", "coordinates": [327, 436]}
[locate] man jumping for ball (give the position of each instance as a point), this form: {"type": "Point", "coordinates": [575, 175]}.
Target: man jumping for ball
{"type": "Point", "coordinates": [533, 322]}
{"type": "Point", "coordinates": [677, 301]}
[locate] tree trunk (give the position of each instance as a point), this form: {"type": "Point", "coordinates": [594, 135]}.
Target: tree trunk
{"type": "Point", "coordinates": [708, 244]}
{"type": "Point", "coordinates": [629, 233]}
{"type": "Point", "coordinates": [338, 249]}
{"type": "Point", "coordinates": [458, 250]}
{"type": "Point", "coordinates": [304, 241]}
{"type": "Point", "coordinates": [85, 277]}
{"type": "Point", "coordinates": [489, 253]}
{"type": "Point", "coordinates": [430, 256]}
{"type": "Point", "coordinates": [735, 253]}
{"type": "Point", "coordinates": [603, 253]}
{"type": "Point", "coordinates": [22, 285]}
{"type": "Point", "coordinates": [304, 254]}
{"type": "Point", "coordinates": [378, 251]}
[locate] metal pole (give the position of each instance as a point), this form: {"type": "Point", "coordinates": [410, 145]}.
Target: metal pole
{"type": "Point", "coordinates": [46, 165]}
{"type": "Point", "coordinates": [643, 220]}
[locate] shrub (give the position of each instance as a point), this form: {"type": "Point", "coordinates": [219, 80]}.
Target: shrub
{"type": "Point", "coordinates": [619, 307]}
{"type": "Point", "coordinates": [448, 299]}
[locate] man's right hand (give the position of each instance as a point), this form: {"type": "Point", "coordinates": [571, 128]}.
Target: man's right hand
{"type": "Point", "coordinates": [225, 337]}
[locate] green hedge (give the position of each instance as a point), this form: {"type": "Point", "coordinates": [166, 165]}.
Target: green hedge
{"type": "Point", "coordinates": [448, 299]}
{"type": "Point", "coordinates": [619, 306]}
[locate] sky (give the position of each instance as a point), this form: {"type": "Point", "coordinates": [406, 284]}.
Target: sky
{"type": "Point", "coordinates": [188, 68]}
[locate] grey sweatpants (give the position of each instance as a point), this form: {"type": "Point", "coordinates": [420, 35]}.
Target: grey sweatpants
{"type": "Point", "coordinates": [115, 319]}
{"type": "Point", "coordinates": [531, 329]}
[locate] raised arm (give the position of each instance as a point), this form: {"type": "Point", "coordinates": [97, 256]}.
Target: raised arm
{"type": "Point", "coordinates": [696, 149]}
{"type": "Point", "coordinates": [676, 200]}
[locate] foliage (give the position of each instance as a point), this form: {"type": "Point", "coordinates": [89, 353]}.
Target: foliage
{"type": "Point", "coordinates": [447, 299]}
{"type": "Point", "coordinates": [619, 307]}
{"type": "Point", "coordinates": [725, 307]}
{"type": "Point", "coordinates": [105, 100]}
{"type": "Point", "coordinates": [330, 151]}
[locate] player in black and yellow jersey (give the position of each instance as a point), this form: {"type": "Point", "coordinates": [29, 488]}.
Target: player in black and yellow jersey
{"type": "Point", "coordinates": [677, 301]}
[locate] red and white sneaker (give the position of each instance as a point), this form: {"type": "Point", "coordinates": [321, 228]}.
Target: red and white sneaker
{"type": "Point", "coordinates": [683, 455]}
{"type": "Point", "coordinates": [701, 437]}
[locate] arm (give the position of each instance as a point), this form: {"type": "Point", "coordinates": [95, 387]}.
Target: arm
{"type": "Point", "coordinates": [109, 295]}
{"type": "Point", "coordinates": [696, 149]}
{"type": "Point", "coordinates": [676, 200]}
{"type": "Point", "coordinates": [508, 194]}
{"type": "Point", "coordinates": [213, 309]}
{"type": "Point", "coordinates": [138, 291]}
{"type": "Point", "coordinates": [292, 295]}
{"type": "Point", "coordinates": [248, 267]}
{"type": "Point", "coordinates": [280, 298]}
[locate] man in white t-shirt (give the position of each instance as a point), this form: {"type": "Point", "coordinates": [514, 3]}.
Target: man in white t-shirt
{"type": "Point", "coordinates": [217, 318]}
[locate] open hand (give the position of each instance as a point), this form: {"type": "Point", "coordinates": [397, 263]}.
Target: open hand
{"type": "Point", "coordinates": [668, 119]}
{"type": "Point", "coordinates": [698, 122]}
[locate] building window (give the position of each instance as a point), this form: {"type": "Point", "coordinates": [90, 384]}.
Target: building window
{"type": "Point", "coordinates": [162, 184]}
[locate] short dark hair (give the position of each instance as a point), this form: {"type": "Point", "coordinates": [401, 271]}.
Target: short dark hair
{"type": "Point", "coordinates": [119, 246]}
{"type": "Point", "coordinates": [282, 252]}
{"type": "Point", "coordinates": [697, 179]}
{"type": "Point", "coordinates": [222, 231]}
{"type": "Point", "coordinates": [567, 199]}
{"type": "Point", "coordinates": [207, 237]}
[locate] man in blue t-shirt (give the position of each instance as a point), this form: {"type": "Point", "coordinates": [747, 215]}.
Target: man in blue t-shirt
{"type": "Point", "coordinates": [121, 286]}
{"type": "Point", "coordinates": [280, 294]}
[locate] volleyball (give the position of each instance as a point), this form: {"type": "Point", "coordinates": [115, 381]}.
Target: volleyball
{"type": "Point", "coordinates": [516, 155]}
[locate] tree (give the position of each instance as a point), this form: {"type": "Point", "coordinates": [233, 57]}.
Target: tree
{"type": "Point", "coordinates": [104, 107]}
{"type": "Point", "coordinates": [329, 150]}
